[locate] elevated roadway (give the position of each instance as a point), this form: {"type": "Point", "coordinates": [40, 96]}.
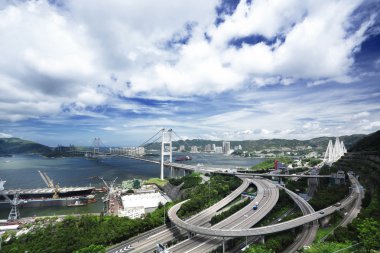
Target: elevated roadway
{"type": "Point", "coordinates": [261, 230]}
{"type": "Point", "coordinates": [147, 241]}
{"type": "Point", "coordinates": [267, 196]}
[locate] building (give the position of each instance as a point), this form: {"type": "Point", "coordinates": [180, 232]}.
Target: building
{"type": "Point", "coordinates": [226, 147]}
{"type": "Point", "coordinates": [132, 212]}
{"type": "Point", "coordinates": [338, 178]}
{"type": "Point", "coordinates": [213, 148]}
{"type": "Point", "coordinates": [238, 147]}
{"type": "Point", "coordinates": [208, 148]}
{"type": "Point", "coordinates": [218, 150]}
{"type": "Point", "coordinates": [182, 148]}
{"type": "Point", "coordinates": [132, 184]}
{"type": "Point", "coordinates": [194, 149]}
{"type": "Point", "coordinates": [136, 205]}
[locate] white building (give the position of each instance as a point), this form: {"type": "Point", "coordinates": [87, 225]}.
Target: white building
{"type": "Point", "coordinates": [218, 150]}
{"type": "Point", "coordinates": [226, 147]}
{"type": "Point", "coordinates": [194, 149]}
{"type": "Point", "coordinates": [213, 147]}
{"type": "Point", "coordinates": [132, 212]}
{"type": "Point", "coordinates": [208, 148]}
{"type": "Point", "coordinates": [134, 204]}
{"type": "Point", "coordinates": [182, 148]}
{"type": "Point", "coordinates": [237, 147]}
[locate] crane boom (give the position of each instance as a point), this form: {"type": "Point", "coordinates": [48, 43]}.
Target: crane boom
{"type": "Point", "coordinates": [44, 178]}
{"type": "Point", "coordinates": [51, 183]}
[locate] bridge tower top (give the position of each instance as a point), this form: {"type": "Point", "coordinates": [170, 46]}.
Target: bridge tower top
{"type": "Point", "coordinates": [166, 149]}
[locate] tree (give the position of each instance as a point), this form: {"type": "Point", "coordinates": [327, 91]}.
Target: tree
{"type": "Point", "coordinates": [259, 249]}
{"type": "Point", "coordinates": [92, 249]}
{"type": "Point", "coordinates": [369, 233]}
{"type": "Point", "coordinates": [327, 247]}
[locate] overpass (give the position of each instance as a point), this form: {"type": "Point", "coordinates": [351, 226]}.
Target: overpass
{"type": "Point", "coordinates": [266, 229]}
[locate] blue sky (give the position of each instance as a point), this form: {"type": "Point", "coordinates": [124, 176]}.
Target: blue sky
{"type": "Point", "coordinates": [74, 70]}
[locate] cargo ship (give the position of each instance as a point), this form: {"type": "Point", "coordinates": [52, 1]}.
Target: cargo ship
{"type": "Point", "coordinates": [51, 196]}
{"type": "Point", "coordinates": [183, 158]}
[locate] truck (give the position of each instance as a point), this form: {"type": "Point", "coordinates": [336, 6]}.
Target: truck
{"type": "Point", "coordinates": [255, 206]}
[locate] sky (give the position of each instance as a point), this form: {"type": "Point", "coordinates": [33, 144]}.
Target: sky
{"type": "Point", "coordinates": [73, 70]}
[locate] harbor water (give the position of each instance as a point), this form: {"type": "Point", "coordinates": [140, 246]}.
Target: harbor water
{"type": "Point", "coordinates": [21, 171]}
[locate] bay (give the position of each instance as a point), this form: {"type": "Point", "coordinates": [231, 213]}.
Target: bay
{"type": "Point", "coordinates": [21, 171]}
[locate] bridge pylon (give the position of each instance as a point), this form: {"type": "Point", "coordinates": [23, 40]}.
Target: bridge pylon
{"type": "Point", "coordinates": [166, 149]}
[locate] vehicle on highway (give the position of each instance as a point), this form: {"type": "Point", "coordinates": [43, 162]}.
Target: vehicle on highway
{"type": "Point", "coordinates": [255, 206]}
{"type": "Point", "coordinates": [322, 212]}
{"type": "Point", "coordinates": [338, 204]}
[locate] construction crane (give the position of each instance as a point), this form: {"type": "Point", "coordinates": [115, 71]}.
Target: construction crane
{"type": "Point", "coordinates": [14, 213]}
{"type": "Point", "coordinates": [49, 182]}
{"type": "Point", "coordinates": [109, 194]}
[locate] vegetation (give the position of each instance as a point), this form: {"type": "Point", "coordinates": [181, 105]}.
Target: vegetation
{"type": "Point", "coordinates": [188, 181]}
{"type": "Point", "coordinates": [207, 194]}
{"type": "Point", "coordinates": [369, 143]}
{"type": "Point", "coordinates": [83, 233]}
{"type": "Point", "coordinates": [312, 161]}
{"type": "Point", "coordinates": [156, 181]}
{"type": "Point", "coordinates": [297, 186]}
{"type": "Point", "coordinates": [323, 197]}
{"type": "Point", "coordinates": [233, 209]}
{"type": "Point", "coordinates": [92, 249]}
{"type": "Point", "coordinates": [269, 164]}
{"type": "Point", "coordinates": [364, 161]}
{"type": "Point", "coordinates": [18, 146]}
{"type": "Point", "coordinates": [251, 145]}
{"type": "Point", "coordinates": [328, 247]}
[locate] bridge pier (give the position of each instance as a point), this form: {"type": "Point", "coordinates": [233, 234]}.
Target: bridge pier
{"type": "Point", "coordinates": [223, 246]}
{"type": "Point", "coordinates": [166, 149]}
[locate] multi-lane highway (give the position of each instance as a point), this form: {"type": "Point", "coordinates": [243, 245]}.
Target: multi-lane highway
{"type": "Point", "coordinates": [147, 242]}
{"type": "Point", "coordinates": [267, 196]}
{"type": "Point", "coordinates": [261, 230]}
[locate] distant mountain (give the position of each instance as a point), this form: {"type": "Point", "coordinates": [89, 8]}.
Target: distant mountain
{"type": "Point", "coordinates": [18, 146]}
{"type": "Point", "coordinates": [369, 143]}
{"type": "Point", "coordinates": [319, 143]}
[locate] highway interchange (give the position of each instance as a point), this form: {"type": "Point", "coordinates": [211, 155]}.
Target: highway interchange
{"type": "Point", "coordinates": [239, 224]}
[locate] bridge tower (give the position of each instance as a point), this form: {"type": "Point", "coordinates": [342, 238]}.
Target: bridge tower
{"type": "Point", "coordinates": [166, 148]}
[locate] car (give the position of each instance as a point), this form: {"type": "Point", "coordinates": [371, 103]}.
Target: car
{"type": "Point", "coordinates": [322, 212]}
{"type": "Point", "coordinates": [279, 220]}
{"type": "Point", "coordinates": [338, 204]}
{"type": "Point", "coordinates": [130, 246]}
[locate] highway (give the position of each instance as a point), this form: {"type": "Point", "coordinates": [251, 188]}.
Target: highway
{"type": "Point", "coordinates": [267, 196]}
{"type": "Point", "coordinates": [261, 230]}
{"type": "Point", "coordinates": [147, 241]}
{"type": "Point", "coordinates": [354, 211]}
{"type": "Point", "coordinates": [309, 231]}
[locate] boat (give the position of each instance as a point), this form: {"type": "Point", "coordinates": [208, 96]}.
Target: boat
{"type": "Point", "coordinates": [46, 196]}
{"type": "Point", "coordinates": [77, 203]}
{"type": "Point", "coordinates": [183, 158]}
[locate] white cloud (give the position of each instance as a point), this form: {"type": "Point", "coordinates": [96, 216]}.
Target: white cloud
{"type": "Point", "coordinates": [360, 115]}
{"type": "Point", "coordinates": [5, 135]}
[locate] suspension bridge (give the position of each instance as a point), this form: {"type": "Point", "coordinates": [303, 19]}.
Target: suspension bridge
{"type": "Point", "coordinates": [164, 138]}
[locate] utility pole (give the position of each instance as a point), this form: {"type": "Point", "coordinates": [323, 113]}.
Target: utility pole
{"type": "Point", "coordinates": [164, 215]}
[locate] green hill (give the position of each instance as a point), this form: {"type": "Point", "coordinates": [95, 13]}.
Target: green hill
{"type": "Point", "coordinates": [369, 143]}
{"type": "Point", "coordinates": [319, 143]}
{"type": "Point", "coordinates": [18, 146]}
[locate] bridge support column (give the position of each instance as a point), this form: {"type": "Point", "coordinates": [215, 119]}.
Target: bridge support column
{"type": "Point", "coordinates": [166, 149]}
{"type": "Point", "coordinates": [223, 246]}
{"type": "Point", "coordinates": [262, 239]}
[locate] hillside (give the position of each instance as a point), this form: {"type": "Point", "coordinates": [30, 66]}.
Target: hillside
{"type": "Point", "coordinates": [18, 146]}
{"type": "Point", "coordinates": [319, 143]}
{"type": "Point", "coordinates": [364, 160]}
{"type": "Point", "coordinates": [369, 143]}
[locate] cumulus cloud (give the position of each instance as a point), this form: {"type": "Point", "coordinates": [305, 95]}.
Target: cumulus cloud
{"type": "Point", "coordinates": [360, 115]}
{"type": "Point", "coordinates": [5, 135]}
{"type": "Point", "coordinates": [63, 55]}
